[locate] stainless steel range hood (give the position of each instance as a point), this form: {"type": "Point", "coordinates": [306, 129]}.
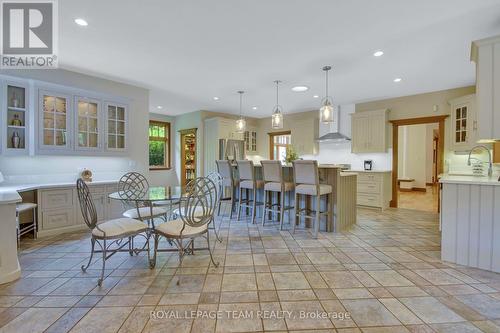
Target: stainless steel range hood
{"type": "Point", "coordinates": [334, 135]}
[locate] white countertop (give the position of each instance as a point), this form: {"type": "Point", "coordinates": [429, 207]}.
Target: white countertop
{"type": "Point", "coordinates": [471, 180]}
{"type": "Point", "coordinates": [371, 171]}
{"type": "Point", "coordinates": [9, 191]}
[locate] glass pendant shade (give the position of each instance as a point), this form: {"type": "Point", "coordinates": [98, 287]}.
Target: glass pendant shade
{"type": "Point", "coordinates": [326, 112]}
{"type": "Point", "coordinates": [277, 119]}
{"type": "Point", "coordinates": [241, 125]}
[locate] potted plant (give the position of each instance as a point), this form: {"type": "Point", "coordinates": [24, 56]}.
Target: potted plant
{"type": "Point", "coordinates": [291, 155]}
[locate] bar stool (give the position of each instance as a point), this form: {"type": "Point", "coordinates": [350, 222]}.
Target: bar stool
{"type": "Point", "coordinates": [272, 172]}
{"type": "Point", "coordinates": [248, 182]}
{"type": "Point", "coordinates": [306, 177]}
{"type": "Point", "coordinates": [225, 170]}
{"type": "Point", "coordinates": [24, 207]}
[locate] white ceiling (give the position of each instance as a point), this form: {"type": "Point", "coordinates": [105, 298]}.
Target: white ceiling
{"type": "Point", "coordinates": [188, 51]}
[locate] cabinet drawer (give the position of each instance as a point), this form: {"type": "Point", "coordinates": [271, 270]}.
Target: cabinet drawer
{"type": "Point", "coordinates": [369, 187]}
{"type": "Point", "coordinates": [57, 219]}
{"type": "Point", "coordinates": [60, 198]}
{"type": "Point", "coordinates": [111, 188]}
{"type": "Point", "coordinates": [369, 177]}
{"type": "Point", "coordinates": [369, 200]}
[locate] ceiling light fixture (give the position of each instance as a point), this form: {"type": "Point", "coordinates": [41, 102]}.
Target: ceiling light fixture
{"type": "Point", "coordinates": [159, 107]}
{"type": "Point", "coordinates": [326, 110]}
{"type": "Point", "coordinates": [241, 124]}
{"type": "Point", "coordinates": [81, 22]}
{"type": "Point", "coordinates": [254, 108]}
{"type": "Point", "coordinates": [316, 96]}
{"type": "Point", "coordinates": [300, 88]}
{"type": "Point", "coordinates": [216, 98]}
{"type": "Point", "coordinates": [398, 79]}
{"type": "Point", "coordinates": [378, 53]}
{"type": "Point", "coordinates": [277, 117]}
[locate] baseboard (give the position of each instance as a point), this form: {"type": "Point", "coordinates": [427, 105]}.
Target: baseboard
{"type": "Point", "coordinates": [405, 189]}
{"type": "Point", "coordinates": [420, 189]}
{"type": "Point", "coordinates": [429, 184]}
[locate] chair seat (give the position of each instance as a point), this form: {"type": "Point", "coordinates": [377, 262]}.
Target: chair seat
{"type": "Point", "coordinates": [24, 206]}
{"type": "Point", "coordinates": [165, 203]}
{"type": "Point", "coordinates": [198, 211]}
{"type": "Point", "coordinates": [276, 187]}
{"type": "Point", "coordinates": [172, 229]}
{"type": "Point", "coordinates": [311, 189]}
{"type": "Point", "coordinates": [144, 212]}
{"type": "Point", "coordinates": [248, 184]}
{"type": "Point", "coordinates": [118, 228]}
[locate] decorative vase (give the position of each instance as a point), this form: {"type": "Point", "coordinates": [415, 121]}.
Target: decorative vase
{"type": "Point", "coordinates": [16, 121]}
{"type": "Point", "coordinates": [15, 101]}
{"type": "Point", "coordinates": [15, 140]}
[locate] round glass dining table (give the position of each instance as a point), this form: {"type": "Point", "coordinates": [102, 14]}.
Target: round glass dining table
{"type": "Point", "coordinates": [151, 195]}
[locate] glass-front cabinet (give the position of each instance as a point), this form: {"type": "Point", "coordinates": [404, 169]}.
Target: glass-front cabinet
{"type": "Point", "coordinates": [116, 130]}
{"type": "Point", "coordinates": [54, 120]}
{"type": "Point", "coordinates": [16, 135]}
{"type": "Point", "coordinates": [88, 124]}
{"type": "Point", "coordinates": [463, 123]}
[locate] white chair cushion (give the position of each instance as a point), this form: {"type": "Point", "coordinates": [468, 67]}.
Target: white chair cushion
{"type": "Point", "coordinates": [165, 203]}
{"type": "Point", "coordinates": [249, 184]}
{"type": "Point", "coordinates": [145, 212]}
{"type": "Point", "coordinates": [119, 227]}
{"type": "Point", "coordinates": [197, 211]}
{"type": "Point", "coordinates": [276, 187]}
{"type": "Point", "coordinates": [173, 229]}
{"type": "Point", "coordinates": [311, 189]}
{"type": "Point", "coordinates": [24, 206]}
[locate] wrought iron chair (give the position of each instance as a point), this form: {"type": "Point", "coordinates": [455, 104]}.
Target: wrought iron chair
{"type": "Point", "coordinates": [109, 233]}
{"type": "Point", "coordinates": [196, 211]}
{"type": "Point", "coordinates": [132, 184]}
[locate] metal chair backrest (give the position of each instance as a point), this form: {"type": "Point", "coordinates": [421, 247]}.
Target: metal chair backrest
{"type": "Point", "coordinates": [133, 182]}
{"type": "Point", "coordinates": [246, 170]}
{"type": "Point", "coordinates": [305, 172]}
{"type": "Point", "coordinates": [86, 204]}
{"type": "Point", "coordinates": [216, 178]}
{"type": "Point", "coordinates": [199, 204]}
{"type": "Point", "coordinates": [272, 171]}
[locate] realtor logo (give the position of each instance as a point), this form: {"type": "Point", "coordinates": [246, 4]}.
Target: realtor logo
{"type": "Point", "coordinates": [29, 34]}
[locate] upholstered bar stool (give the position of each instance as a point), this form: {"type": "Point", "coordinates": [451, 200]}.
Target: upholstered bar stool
{"type": "Point", "coordinates": [306, 177]}
{"type": "Point", "coordinates": [248, 182]}
{"type": "Point", "coordinates": [27, 227]}
{"type": "Point", "coordinates": [272, 172]}
{"type": "Point", "coordinates": [225, 170]}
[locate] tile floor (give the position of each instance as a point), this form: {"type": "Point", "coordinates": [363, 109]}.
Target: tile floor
{"type": "Point", "coordinates": [382, 276]}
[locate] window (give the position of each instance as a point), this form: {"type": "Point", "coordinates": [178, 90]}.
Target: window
{"type": "Point", "coordinates": [159, 145]}
{"type": "Point", "coordinates": [279, 143]}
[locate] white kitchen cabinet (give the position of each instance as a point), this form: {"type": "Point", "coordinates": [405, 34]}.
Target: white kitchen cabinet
{"type": "Point", "coordinates": [303, 136]}
{"type": "Point", "coordinates": [16, 131]}
{"type": "Point", "coordinates": [116, 126]}
{"type": "Point", "coordinates": [486, 54]}
{"type": "Point", "coordinates": [114, 208]}
{"type": "Point", "coordinates": [250, 138]}
{"type": "Point", "coordinates": [463, 123]}
{"type": "Point", "coordinates": [368, 130]}
{"type": "Point", "coordinates": [88, 124]}
{"type": "Point", "coordinates": [54, 121]}
{"type": "Point", "coordinates": [374, 189]}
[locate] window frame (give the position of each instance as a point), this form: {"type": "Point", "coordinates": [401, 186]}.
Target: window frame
{"type": "Point", "coordinates": [167, 165]}
{"type": "Point", "coordinates": [271, 141]}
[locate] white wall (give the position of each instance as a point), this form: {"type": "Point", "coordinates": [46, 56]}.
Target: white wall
{"type": "Point", "coordinates": [42, 168]}
{"type": "Point", "coordinates": [412, 153]}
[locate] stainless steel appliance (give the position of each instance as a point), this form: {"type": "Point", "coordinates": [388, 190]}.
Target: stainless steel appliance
{"type": "Point", "coordinates": [231, 149]}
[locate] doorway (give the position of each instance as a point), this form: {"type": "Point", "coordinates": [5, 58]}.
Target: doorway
{"type": "Point", "coordinates": [278, 145]}
{"type": "Point", "coordinates": [401, 176]}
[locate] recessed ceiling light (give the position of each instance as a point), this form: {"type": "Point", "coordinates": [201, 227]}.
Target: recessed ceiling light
{"type": "Point", "coordinates": [159, 107]}
{"type": "Point", "coordinates": [316, 96]}
{"type": "Point", "coordinates": [216, 98]}
{"type": "Point", "coordinates": [398, 79]}
{"type": "Point", "coordinates": [300, 88]}
{"type": "Point", "coordinates": [81, 22]}
{"type": "Point", "coordinates": [378, 53]}
{"type": "Point", "coordinates": [254, 108]}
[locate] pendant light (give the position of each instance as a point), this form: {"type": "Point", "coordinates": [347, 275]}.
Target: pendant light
{"type": "Point", "coordinates": [326, 110]}
{"type": "Point", "coordinates": [277, 117]}
{"type": "Point", "coordinates": [241, 124]}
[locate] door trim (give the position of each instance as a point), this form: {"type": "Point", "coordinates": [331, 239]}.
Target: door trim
{"type": "Point", "coordinates": [271, 141]}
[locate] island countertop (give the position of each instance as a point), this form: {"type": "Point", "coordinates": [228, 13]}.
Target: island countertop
{"type": "Point", "coordinates": [469, 179]}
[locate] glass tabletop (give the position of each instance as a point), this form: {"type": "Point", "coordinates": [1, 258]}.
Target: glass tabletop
{"type": "Point", "coordinates": [157, 193]}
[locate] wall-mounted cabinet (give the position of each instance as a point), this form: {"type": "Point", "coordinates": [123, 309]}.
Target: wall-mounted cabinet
{"type": "Point", "coordinates": [116, 126]}
{"type": "Point", "coordinates": [250, 138]}
{"type": "Point", "coordinates": [17, 118]}
{"type": "Point", "coordinates": [486, 54]}
{"type": "Point", "coordinates": [54, 121]}
{"type": "Point", "coordinates": [88, 133]}
{"type": "Point", "coordinates": [463, 123]}
{"type": "Point", "coordinates": [368, 131]}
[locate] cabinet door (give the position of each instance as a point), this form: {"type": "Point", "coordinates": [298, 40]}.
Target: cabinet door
{"type": "Point", "coordinates": [461, 126]}
{"type": "Point", "coordinates": [359, 132]}
{"type": "Point", "coordinates": [116, 126]}
{"type": "Point", "coordinates": [16, 133]}
{"type": "Point", "coordinates": [88, 124]}
{"type": "Point", "coordinates": [54, 121]}
{"type": "Point", "coordinates": [376, 134]}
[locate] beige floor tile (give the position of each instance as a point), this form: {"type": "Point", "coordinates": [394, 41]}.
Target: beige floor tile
{"type": "Point", "coordinates": [369, 312]}
{"type": "Point", "coordinates": [239, 282]}
{"type": "Point", "coordinates": [430, 310]}
{"type": "Point", "coordinates": [401, 312]}
{"type": "Point", "coordinates": [303, 315]}
{"type": "Point", "coordinates": [390, 278]}
{"type": "Point", "coordinates": [34, 320]}
{"type": "Point", "coordinates": [341, 279]}
{"type": "Point", "coordinates": [290, 280]}
{"type": "Point", "coordinates": [239, 318]}
{"type": "Point", "coordinates": [352, 293]}
{"type": "Point", "coordinates": [179, 298]}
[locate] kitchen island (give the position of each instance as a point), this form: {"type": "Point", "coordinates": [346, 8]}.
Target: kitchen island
{"type": "Point", "coordinates": [470, 221]}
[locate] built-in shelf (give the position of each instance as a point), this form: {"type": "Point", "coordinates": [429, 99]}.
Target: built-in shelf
{"type": "Point", "coordinates": [16, 118]}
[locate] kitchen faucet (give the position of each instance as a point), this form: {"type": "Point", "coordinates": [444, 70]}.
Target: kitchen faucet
{"type": "Point", "coordinates": [490, 169]}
